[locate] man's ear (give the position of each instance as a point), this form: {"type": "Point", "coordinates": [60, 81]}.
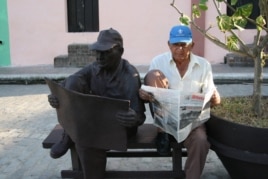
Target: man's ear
{"type": "Point", "coordinates": [168, 43]}
{"type": "Point", "coordinates": [119, 50]}
{"type": "Point", "coordinates": [122, 50]}
{"type": "Point", "coordinates": [192, 45]}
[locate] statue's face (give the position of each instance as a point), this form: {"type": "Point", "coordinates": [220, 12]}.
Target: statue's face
{"type": "Point", "coordinates": [109, 59]}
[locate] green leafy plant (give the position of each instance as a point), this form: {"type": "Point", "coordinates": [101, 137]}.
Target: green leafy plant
{"type": "Point", "coordinates": [229, 25]}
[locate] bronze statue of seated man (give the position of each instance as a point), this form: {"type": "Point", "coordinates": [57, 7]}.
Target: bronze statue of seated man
{"type": "Point", "coordinates": [109, 76]}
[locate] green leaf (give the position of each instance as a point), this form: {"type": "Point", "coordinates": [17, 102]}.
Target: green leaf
{"type": "Point", "coordinates": [261, 21]}
{"type": "Point", "coordinates": [185, 20]}
{"type": "Point", "coordinates": [238, 18]}
{"type": "Point", "coordinates": [224, 23]}
{"type": "Point", "coordinates": [239, 22]}
{"type": "Point", "coordinates": [203, 1]}
{"type": "Point", "coordinates": [244, 10]}
{"type": "Point", "coordinates": [203, 5]}
{"type": "Point", "coordinates": [233, 2]}
{"type": "Point", "coordinates": [232, 43]}
{"type": "Point", "coordinates": [239, 27]}
{"type": "Point", "coordinates": [195, 11]}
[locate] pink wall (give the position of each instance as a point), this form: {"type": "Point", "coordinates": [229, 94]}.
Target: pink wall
{"type": "Point", "coordinates": [38, 30]}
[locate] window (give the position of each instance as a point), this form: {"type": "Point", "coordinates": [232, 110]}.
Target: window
{"type": "Point", "coordinates": [83, 15]}
{"type": "Point", "coordinates": [255, 12]}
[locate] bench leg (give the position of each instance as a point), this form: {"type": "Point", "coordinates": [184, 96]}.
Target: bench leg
{"type": "Point", "coordinates": [177, 162]}
{"type": "Point", "coordinates": [76, 166]}
{"type": "Point", "coordinates": [75, 159]}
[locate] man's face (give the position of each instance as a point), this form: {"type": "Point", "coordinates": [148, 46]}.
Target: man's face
{"type": "Point", "coordinates": [109, 59]}
{"type": "Point", "coordinates": [180, 51]}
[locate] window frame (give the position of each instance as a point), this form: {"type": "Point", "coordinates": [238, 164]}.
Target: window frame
{"type": "Point", "coordinates": [83, 15]}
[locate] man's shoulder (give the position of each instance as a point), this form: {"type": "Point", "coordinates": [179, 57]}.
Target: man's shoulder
{"type": "Point", "coordinates": [87, 68]}
{"type": "Point", "coordinates": [128, 66]}
{"type": "Point", "coordinates": [162, 57]}
{"type": "Point", "coordinates": [200, 60]}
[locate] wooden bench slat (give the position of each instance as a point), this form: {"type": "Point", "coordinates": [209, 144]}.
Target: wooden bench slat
{"type": "Point", "coordinates": [145, 138]}
{"type": "Point", "coordinates": [126, 174]}
{"type": "Point", "coordinates": [134, 154]}
{"type": "Point", "coordinates": [53, 137]}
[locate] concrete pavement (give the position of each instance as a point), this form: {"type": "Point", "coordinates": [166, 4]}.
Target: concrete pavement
{"type": "Point", "coordinates": [26, 118]}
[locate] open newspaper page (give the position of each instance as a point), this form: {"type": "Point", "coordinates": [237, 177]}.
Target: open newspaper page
{"type": "Point", "coordinates": [178, 113]}
{"type": "Point", "coordinates": [90, 120]}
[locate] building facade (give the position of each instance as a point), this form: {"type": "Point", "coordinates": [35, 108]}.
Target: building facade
{"type": "Point", "coordinates": [35, 32]}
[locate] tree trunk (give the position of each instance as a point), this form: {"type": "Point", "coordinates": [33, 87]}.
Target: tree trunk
{"type": "Point", "coordinates": [257, 105]}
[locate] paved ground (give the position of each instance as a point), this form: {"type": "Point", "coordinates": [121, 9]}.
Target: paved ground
{"type": "Point", "coordinates": [26, 119]}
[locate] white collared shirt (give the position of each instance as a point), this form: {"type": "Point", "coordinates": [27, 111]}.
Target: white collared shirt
{"type": "Point", "coordinates": [198, 77]}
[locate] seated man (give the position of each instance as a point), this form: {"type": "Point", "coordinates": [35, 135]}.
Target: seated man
{"type": "Point", "coordinates": [180, 69]}
{"type": "Point", "coordinates": [110, 76]}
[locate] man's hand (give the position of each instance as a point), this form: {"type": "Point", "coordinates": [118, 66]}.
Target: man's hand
{"type": "Point", "coordinates": [215, 99]}
{"type": "Point", "coordinates": [53, 101]}
{"type": "Point", "coordinates": [127, 119]}
{"type": "Point", "coordinates": [146, 96]}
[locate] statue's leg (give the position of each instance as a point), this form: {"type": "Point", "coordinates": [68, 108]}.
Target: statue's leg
{"type": "Point", "coordinates": [93, 162]}
{"type": "Point", "coordinates": [156, 78]}
{"type": "Point", "coordinates": [61, 147]}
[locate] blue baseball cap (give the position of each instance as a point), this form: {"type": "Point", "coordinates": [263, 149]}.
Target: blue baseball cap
{"type": "Point", "coordinates": [180, 33]}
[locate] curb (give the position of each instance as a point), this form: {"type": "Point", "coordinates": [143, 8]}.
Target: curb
{"type": "Point", "coordinates": [219, 78]}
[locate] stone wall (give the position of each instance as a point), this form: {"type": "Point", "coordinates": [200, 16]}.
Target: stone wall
{"type": "Point", "coordinates": [79, 55]}
{"type": "Point", "coordinates": [233, 59]}
{"type": "Point", "coordinates": [240, 61]}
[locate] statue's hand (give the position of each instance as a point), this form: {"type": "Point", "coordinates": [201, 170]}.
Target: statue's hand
{"type": "Point", "coordinates": [127, 119]}
{"type": "Point", "coordinates": [53, 101]}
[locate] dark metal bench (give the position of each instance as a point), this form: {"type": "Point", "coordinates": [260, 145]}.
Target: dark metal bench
{"type": "Point", "coordinates": [143, 140]}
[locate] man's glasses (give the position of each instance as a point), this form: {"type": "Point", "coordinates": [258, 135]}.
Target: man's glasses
{"type": "Point", "coordinates": [181, 45]}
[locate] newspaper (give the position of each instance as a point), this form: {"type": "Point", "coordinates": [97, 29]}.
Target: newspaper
{"type": "Point", "coordinates": [178, 113]}
{"type": "Point", "coordinates": [89, 119]}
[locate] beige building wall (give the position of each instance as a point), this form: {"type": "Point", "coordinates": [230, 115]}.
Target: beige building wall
{"type": "Point", "coordinates": [38, 29]}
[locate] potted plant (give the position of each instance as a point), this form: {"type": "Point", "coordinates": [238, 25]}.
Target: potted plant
{"type": "Point", "coordinates": [243, 149]}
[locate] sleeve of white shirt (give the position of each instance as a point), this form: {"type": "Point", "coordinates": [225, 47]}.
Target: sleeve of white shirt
{"type": "Point", "coordinates": [161, 61]}
{"type": "Point", "coordinates": [208, 80]}
{"type": "Point", "coordinates": [153, 64]}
